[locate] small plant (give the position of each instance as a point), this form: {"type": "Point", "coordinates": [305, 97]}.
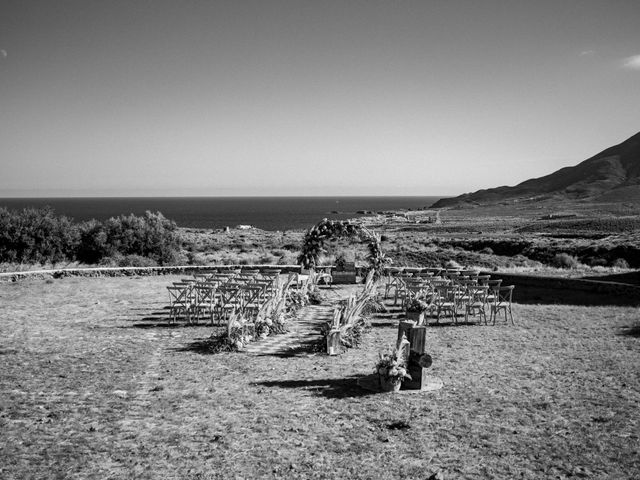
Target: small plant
{"type": "Point", "coordinates": [315, 297]}
{"type": "Point", "coordinates": [340, 263]}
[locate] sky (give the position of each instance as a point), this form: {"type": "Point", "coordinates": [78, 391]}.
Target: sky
{"type": "Point", "coordinates": [275, 97]}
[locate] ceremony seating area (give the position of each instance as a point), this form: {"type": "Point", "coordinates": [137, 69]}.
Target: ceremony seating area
{"type": "Point", "coordinates": [449, 294]}
{"type": "Point", "coordinates": [216, 295]}
{"type": "Point", "coordinates": [439, 294]}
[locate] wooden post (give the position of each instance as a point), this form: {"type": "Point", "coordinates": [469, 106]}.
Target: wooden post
{"type": "Point", "coordinates": [419, 360]}
{"type": "Point", "coordinates": [418, 339]}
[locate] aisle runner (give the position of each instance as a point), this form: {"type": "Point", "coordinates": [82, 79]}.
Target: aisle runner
{"type": "Point", "coordinates": [304, 330]}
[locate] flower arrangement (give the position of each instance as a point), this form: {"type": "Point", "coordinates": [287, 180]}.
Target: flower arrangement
{"type": "Point", "coordinates": [262, 326]}
{"type": "Point", "coordinates": [416, 304]}
{"type": "Point", "coordinates": [391, 367]}
{"type": "Point", "coordinates": [237, 332]}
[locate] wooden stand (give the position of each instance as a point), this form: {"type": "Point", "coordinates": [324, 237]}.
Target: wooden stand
{"type": "Point", "coordinates": [419, 360]}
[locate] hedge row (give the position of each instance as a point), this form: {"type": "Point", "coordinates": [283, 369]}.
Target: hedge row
{"type": "Point", "coordinates": [40, 236]}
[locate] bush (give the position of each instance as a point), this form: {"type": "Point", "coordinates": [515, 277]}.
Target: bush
{"type": "Point", "coordinates": [564, 260]}
{"type": "Point", "coordinates": [452, 264]}
{"type": "Point", "coordinates": [151, 235]}
{"type": "Point", "coordinates": [620, 263]}
{"type": "Point", "coordinates": [40, 236]}
{"type": "Point", "coordinates": [36, 236]}
{"type": "Point", "coordinates": [93, 245]}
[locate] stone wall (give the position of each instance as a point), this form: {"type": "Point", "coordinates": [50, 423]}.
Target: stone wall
{"type": "Point", "coordinates": [133, 271]}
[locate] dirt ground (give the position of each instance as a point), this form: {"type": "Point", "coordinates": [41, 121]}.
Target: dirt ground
{"type": "Point", "coordinates": [95, 384]}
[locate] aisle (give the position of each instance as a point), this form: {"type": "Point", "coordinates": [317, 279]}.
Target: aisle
{"type": "Point", "coordinates": [305, 330]}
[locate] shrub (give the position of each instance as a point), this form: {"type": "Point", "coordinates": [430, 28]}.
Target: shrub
{"type": "Point", "coordinates": [151, 235]}
{"type": "Point", "coordinates": [452, 264]}
{"type": "Point", "coordinates": [36, 236]}
{"type": "Point", "coordinates": [564, 260]}
{"type": "Point", "coordinates": [93, 245]}
{"type": "Point", "coordinates": [40, 236]}
{"type": "Point", "coordinates": [620, 263]}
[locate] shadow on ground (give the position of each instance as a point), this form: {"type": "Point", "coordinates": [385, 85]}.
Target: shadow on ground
{"type": "Point", "coordinates": [631, 278]}
{"type": "Point", "coordinates": [327, 387]}
{"type": "Point", "coordinates": [536, 295]}
{"type": "Point", "coordinates": [162, 319]}
{"type": "Point", "coordinates": [633, 331]}
{"type": "Point", "coordinates": [205, 346]}
{"type": "Point", "coordinates": [310, 347]}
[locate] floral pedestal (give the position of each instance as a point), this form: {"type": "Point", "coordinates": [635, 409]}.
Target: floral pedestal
{"type": "Point", "coordinates": [390, 384]}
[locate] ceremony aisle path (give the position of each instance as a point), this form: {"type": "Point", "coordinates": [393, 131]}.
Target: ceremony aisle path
{"type": "Point", "coordinates": [305, 330]}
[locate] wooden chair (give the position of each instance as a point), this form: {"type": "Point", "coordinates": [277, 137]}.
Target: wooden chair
{"type": "Point", "coordinates": [476, 303]}
{"type": "Point", "coordinates": [230, 301]}
{"type": "Point", "coordinates": [179, 302]}
{"type": "Point", "coordinates": [445, 302]}
{"type": "Point", "coordinates": [494, 285]}
{"type": "Point", "coordinates": [206, 300]}
{"type": "Point", "coordinates": [251, 271]}
{"type": "Point", "coordinates": [391, 281]}
{"type": "Point", "coordinates": [502, 302]}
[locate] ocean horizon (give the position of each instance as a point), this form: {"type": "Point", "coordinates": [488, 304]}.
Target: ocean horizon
{"type": "Point", "coordinates": [267, 213]}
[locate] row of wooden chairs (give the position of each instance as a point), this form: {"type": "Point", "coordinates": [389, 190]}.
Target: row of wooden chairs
{"type": "Point", "coordinates": [452, 292]}
{"type": "Point", "coordinates": [217, 295]}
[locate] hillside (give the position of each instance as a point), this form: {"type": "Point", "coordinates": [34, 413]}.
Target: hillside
{"type": "Point", "coordinates": [612, 175]}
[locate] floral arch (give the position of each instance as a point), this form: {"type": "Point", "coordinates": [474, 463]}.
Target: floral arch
{"type": "Point", "coordinates": [315, 238]}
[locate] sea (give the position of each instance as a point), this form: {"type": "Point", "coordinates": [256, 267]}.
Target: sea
{"type": "Point", "coordinates": [266, 213]}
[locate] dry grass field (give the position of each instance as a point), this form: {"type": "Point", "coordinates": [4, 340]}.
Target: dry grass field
{"type": "Point", "coordinates": [94, 385]}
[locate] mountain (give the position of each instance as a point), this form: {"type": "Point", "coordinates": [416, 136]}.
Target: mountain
{"type": "Point", "coordinates": [612, 175]}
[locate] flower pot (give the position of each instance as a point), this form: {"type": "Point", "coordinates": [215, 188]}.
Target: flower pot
{"type": "Point", "coordinates": [390, 384]}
